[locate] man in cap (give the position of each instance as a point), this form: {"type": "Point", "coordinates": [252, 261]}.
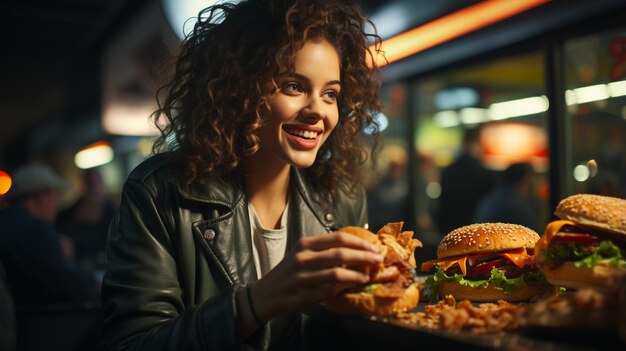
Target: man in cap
{"type": "Point", "coordinates": [36, 269]}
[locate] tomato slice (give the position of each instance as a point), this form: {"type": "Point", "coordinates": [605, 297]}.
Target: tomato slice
{"type": "Point", "coordinates": [574, 238]}
{"type": "Point", "coordinates": [486, 267]}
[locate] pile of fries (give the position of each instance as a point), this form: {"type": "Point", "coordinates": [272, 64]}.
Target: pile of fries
{"type": "Point", "coordinates": [447, 314]}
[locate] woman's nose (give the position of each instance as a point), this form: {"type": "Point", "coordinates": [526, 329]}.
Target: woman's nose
{"type": "Point", "coordinates": [314, 108]}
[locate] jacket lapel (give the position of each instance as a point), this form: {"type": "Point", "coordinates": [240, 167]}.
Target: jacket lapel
{"type": "Point", "coordinates": [223, 233]}
{"type": "Point", "coordinates": [312, 215]}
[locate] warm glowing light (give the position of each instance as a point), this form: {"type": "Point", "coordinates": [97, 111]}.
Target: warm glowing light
{"type": "Point", "coordinates": [504, 143]}
{"type": "Point", "coordinates": [129, 119]}
{"type": "Point", "coordinates": [516, 108]}
{"type": "Point", "coordinates": [5, 182]}
{"type": "Point", "coordinates": [94, 155]}
{"type": "Point", "coordinates": [450, 27]}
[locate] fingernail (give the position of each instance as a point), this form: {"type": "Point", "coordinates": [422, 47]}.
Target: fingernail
{"type": "Point", "coordinates": [378, 258]}
{"type": "Point", "coordinates": [374, 248]}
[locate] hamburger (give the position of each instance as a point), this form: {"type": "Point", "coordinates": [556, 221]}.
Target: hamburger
{"type": "Point", "coordinates": [487, 262]}
{"type": "Point", "coordinates": [391, 287]}
{"type": "Point", "coordinates": [585, 246]}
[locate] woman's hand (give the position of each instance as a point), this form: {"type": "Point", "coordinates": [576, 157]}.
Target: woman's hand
{"type": "Point", "coordinates": [310, 272]}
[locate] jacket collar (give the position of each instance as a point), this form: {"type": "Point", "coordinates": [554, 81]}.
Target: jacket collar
{"type": "Point", "coordinates": [225, 192]}
{"type": "Point", "coordinates": [228, 192]}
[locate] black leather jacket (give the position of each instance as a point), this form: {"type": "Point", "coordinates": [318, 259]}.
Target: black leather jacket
{"type": "Point", "coordinates": [176, 254]}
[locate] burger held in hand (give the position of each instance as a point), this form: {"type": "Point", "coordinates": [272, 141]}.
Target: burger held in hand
{"type": "Point", "coordinates": [487, 262]}
{"type": "Point", "coordinates": [586, 245]}
{"type": "Point", "coordinates": [391, 287]}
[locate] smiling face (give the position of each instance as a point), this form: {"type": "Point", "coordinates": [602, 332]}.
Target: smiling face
{"type": "Point", "coordinates": [304, 110]}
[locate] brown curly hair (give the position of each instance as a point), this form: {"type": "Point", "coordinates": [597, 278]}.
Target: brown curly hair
{"type": "Point", "coordinates": [216, 100]}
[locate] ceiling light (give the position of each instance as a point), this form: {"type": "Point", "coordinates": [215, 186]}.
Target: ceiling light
{"type": "Point", "coordinates": [581, 173]}
{"type": "Point", "coordinates": [617, 88]}
{"type": "Point", "coordinates": [588, 94]}
{"type": "Point", "coordinates": [473, 115]}
{"type": "Point", "coordinates": [129, 118]}
{"type": "Point", "coordinates": [94, 155]}
{"type": "Point", "coordinates": [449, 27]}
{"type": "Point", "coordinates": [520, 107]}
{"type": "Point", "coordinates": [445, 119]}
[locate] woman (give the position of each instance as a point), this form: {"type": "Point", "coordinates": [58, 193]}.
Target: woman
{"type": "Point", "coordinates": [218, 242]}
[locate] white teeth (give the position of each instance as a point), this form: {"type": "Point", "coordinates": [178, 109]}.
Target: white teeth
{"type": "Point", "coordinates": [307, 134]}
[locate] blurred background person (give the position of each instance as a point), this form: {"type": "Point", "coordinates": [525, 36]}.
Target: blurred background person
{"type": "Point", "coordinates": [510, 201]}
{"type": "Point", "coordinates": [427, 176]}
{"type": "Point", "coordinates": [463, 183]}
{"type": "Point", "coordinates": [8, 333]}
{"type": "Point", "coordinates": [87, 222]}
{"type": "Point", "coordinates": [388, 199]}
{"type": "Point", "coordinates": [37, 269]}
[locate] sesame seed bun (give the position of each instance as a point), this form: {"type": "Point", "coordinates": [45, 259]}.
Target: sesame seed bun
{"type": "Point", "coordinates": [594, 211]}
{"type": "Point", "coordinates": [569, 276]}
{"type": "Point", "coordinates": [361, 233]}
{"type": "Point", "coordinates": [486, 237]}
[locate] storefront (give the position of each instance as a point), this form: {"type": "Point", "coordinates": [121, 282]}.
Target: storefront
{"type": "Point", "coordinates": [546, 88]}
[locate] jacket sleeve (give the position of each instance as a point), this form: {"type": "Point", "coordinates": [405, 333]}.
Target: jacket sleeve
{"type": "Point", "coordinates": [142, 294]}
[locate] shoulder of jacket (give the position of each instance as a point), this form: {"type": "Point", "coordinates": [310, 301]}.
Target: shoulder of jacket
{"type": "Point", "coordinates": [155, 164]}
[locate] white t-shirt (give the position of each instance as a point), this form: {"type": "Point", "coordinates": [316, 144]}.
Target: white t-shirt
{"type": "Point", "coordinates": [268, 245]}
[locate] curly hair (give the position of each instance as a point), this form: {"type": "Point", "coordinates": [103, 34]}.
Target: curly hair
{"type": "Point", "coordinates": [215, 102]}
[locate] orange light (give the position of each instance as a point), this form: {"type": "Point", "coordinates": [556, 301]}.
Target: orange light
{"type": "Point", "coordinates": [5, 182]}
{"type": "Point", "coordinates": [505, 143]}
{"type": "Point", "coordinates": [449, 27]}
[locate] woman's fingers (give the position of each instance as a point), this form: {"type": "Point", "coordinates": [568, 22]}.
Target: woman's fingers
{"type": "Point", "coordinates": [313, 271]}
{"type": "Point", "coordinates": [336, 239]}
{"type": "Point", "coordinates": [330, 277]}
{"type": "Point", "coordinates": [311, 260]}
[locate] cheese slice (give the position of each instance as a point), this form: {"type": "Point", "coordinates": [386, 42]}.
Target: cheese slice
{"type": "Point", "coordinates": [446, 264]}
{"type": "Point", "coordinates": [551, 230]}
{"type": "Point", "coordinates": [518, 257]}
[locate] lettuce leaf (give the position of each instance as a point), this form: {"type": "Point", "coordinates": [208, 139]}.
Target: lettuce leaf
{"type": "Point", "coordinates": [497, 279]}
{"type": "Point", "coordinates": [607, 253]}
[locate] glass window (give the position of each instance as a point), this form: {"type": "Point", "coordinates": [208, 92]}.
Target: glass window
{"type": "Point", "coordinates": [595, 83]}
{"type": "Point", "coordinates": [481, 145]}
{"type": "Point", "coordinates": [388, 192]}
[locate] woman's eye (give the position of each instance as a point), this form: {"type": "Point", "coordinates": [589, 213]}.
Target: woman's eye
{"type": "Point", "coordinates": [331, 95]}
{"type": "Point", "coordinates": [292, 87]}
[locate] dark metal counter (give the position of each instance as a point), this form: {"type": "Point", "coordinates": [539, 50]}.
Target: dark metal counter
{"type": "Point", "coordinates": [328, 331]}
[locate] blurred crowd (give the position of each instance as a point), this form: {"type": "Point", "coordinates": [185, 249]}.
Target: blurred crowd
{"type": "Point", "coordinates": [48, 253]}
